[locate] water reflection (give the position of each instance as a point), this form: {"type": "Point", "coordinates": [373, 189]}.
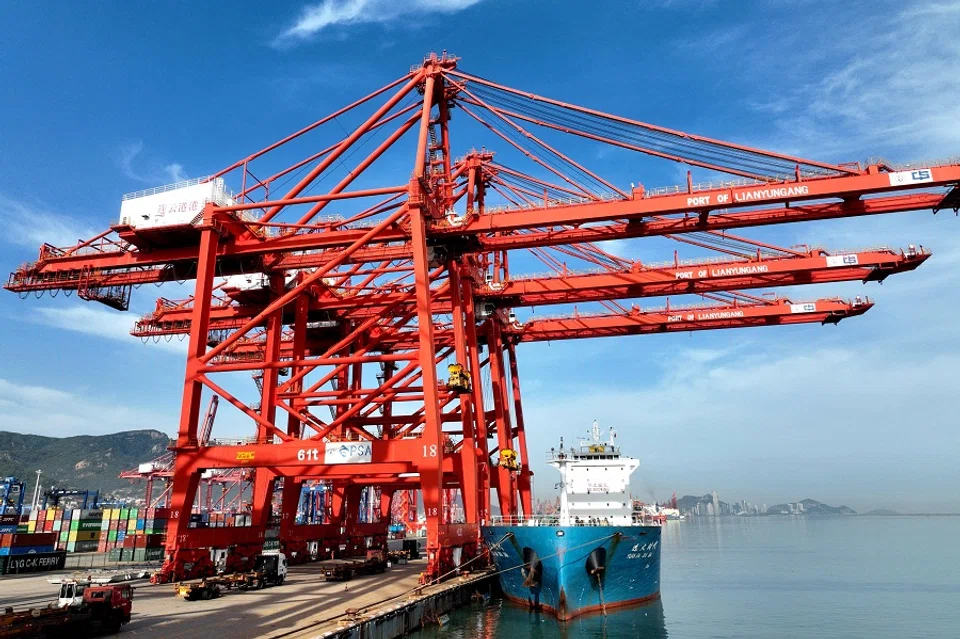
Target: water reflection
{"type": "Point", "coordinates": [504, 619]}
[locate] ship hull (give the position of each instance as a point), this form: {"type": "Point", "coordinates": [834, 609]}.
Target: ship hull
{"type": "Point", "coordinates": [554, 575]}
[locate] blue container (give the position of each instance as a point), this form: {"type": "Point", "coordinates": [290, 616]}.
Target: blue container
{"type": "Point", "coordinates": [139, 524]}
{"type": "Point", "coordinates": [31, 550]}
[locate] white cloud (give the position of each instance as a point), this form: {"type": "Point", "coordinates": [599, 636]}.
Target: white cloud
{"type": "Point", "coordinates": [331, 13]}
{"type": "Point", "coordinates": [167, 174]}
{"type": "Point", "coordinates": [108, 324]}
{"type": "Point", "coordinates": [897, 95]}
{"type": "Point", "coordinates": [175, 172]}
{"type": "Point", "coordinates": [40, 410]}
{"type": "Point", "coordinates": [31, 224]}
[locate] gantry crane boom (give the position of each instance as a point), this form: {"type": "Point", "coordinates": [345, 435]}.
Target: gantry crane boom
{"type": "Point", "coordinates": [691, 276]}
{"type": "Point", "coordinates": [778, 312]}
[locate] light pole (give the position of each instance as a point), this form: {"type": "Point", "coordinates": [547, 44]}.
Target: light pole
{"type": "Point", "coordinates": [36, 493]}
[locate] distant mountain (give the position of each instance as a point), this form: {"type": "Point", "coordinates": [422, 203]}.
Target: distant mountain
{"type": "Point", "coordinates": [880, 512]}
{"type": "Point", "coordinates": [84, 462]}
{"type": "Point", "coordinates": [812, 507]}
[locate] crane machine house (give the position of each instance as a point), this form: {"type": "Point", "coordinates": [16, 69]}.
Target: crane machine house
{"type": "Point", "coordinates": [179, 204]}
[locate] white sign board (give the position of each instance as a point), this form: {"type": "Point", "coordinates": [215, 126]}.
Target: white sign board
{"type": "Point", "coordinates": [916, 176]}
{"type": "Point", "coordinates": [347, 453]}
{"type": "Point", "coordinates": [834, 261]}
{"type": "Point", "coordinates": [809, 307]}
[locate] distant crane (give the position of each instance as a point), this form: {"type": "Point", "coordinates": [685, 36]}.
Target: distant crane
{"type": "Point", "coordinates": [11, 496]}
{"type": "Point", "coordinates": [162, 467]}
{"type": "Point", "coordinates": [53, 496]}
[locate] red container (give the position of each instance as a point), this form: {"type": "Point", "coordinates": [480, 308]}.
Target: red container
{"type": "Point", "coordinates": [133, 542]}
{"type": "Point", "coordinates": [34, 539]}
{"type": "Point", "coordinates": [161, 513]}
{"type": "Point", "coordinates": [154, 541]}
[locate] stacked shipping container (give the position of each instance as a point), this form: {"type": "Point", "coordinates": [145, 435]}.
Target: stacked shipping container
{"type": "Point", "coordinates": [133, 534]}
{"type": "Point", "coordinates": [127, 534]}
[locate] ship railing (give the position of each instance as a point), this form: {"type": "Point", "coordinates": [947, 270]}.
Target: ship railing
{"type": "Point", "coordinates": [535, 520]}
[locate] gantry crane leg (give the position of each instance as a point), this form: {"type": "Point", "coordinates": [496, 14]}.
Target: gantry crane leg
{"type": "Point", "coordinates": [186, 477]}
{"type": "Point", "coordinates": [468, 450]}
{"type": "Point", "coordinates": [525, 475]}
{"type": "Point", "coordinates": [506, 480]}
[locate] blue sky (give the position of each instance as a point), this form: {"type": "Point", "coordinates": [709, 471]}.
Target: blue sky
{"type": "Point", "coordinates": [101, 99]}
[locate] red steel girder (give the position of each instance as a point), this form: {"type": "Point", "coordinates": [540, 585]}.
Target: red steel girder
{"type": "Point", "coordinates": [816, 267]}
{"type": "Point", "coordinates": [693, 318]}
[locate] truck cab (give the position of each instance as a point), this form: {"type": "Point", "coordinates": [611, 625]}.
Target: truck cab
{"type": "Point", "coordinates": [272, 566]}
{"type": "Point", "coordinates": [109, 606]}
{"type": "Point", "coordinates": [71, 593]}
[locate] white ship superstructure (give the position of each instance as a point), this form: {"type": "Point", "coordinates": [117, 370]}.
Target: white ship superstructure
{"type": "Point", "coordinates": [595, 482]}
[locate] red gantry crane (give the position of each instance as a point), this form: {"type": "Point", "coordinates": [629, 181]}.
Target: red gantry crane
{"type": "Point", "coordinates": [345, 294]}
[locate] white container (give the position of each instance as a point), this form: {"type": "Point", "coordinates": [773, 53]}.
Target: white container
{"type": "Point", "coordinates": [145, 468]}
{"type": "Point", "coordinates": [172, 205]}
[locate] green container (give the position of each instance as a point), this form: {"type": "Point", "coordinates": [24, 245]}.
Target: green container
{"type": "Point", "coordinates": [124, 513]}
{"type": "Point", "coordinates": [271, 544]}
{"type": "Point", "coordinates": [88, 524]}
{"type": "Point", "coordinates": [112, 535]}
{"type": "Point", "coordinates": [153, 554]}
{"type": "Point", "coordinates": [75, 524]}
{"type": "Point", "coordinates": [115, 554]}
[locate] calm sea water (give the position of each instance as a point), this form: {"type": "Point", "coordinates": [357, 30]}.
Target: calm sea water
{"type": "Point", "coordinates": [870, 577]}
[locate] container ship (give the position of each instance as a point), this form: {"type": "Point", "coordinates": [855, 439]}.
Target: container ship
{"type": "Point", "coordinates": [596, 555]}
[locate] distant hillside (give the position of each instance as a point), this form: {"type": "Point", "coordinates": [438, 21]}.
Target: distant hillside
{"type": "Point", "coordinates": [85, 462]}
{"type": "Point", "coordinates": [881, 512]}
{"type": "Point", "coordinates": [813, 507]}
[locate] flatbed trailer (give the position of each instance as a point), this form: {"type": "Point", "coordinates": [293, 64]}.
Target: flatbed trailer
{"type": "Point", "coordinates": [270, 570]}
{"type": "Point", "coordinates": [103, 610]}
{"type": "Point", "coordinates": [345, 569]}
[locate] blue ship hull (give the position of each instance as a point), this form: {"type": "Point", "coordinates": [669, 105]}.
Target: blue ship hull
{"type": "Point", "coordinates": [549, 567]}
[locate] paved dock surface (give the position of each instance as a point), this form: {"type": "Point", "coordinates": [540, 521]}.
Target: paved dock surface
{"type": "Point", "coordinates": [304, 606]}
